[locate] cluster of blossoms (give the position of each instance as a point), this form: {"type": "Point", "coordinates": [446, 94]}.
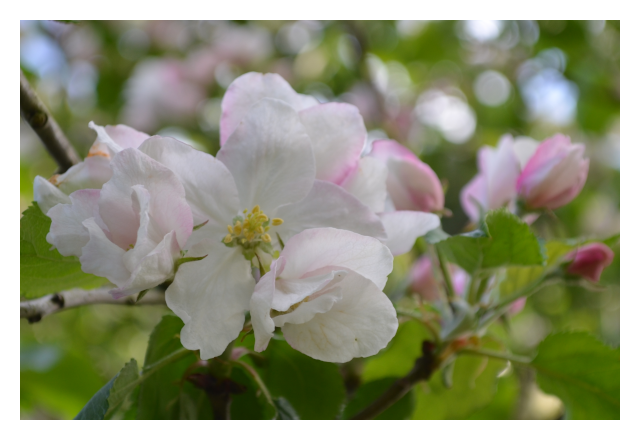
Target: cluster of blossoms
{"type": "Point", "coordinates": [521, 171]}
{"type": "Point", "coordinates": [288, 222]}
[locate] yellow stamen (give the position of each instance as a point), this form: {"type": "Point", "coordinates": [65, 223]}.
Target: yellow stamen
{"type": "Point", "coordinates": [230, 229]}
{"type": "Point", "coordinates": [227, 239]}
{"type": "Point", "coordinates": [237, 229]}
{"type": "Point", "coordinates": [266, 238]}
{"type": "Point", "coordinates": [256, 209]}
{"type": "Point", "coordinates": [277, 221]}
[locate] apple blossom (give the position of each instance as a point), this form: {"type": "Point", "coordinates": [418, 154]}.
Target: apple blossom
{"type": "Point", "coordinates": [412, 185]}
{"type": "Point", "coordinates": [132, 230]}
{"type": "Point", "coordinates": [590, 260]}
{"type": "Point", "coordinates": [338, 135]}
{"type": "Point", "coordinates": [495, 184]}
{"type": "Point", "coordinates": [325, 292]}
{"type": "Point", "coordinates": [554, 175]}
{"type": "Point", "coordinates": [93, 172]}
{"type": "Point", "coordinates": [260, 190]}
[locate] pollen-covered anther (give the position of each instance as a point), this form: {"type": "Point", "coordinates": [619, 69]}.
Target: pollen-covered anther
{"type": "Point", "coordinates": [250, 228]}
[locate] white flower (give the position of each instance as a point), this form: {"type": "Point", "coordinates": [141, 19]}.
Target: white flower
{"type": "Point", "coordinates": [325, 292]}
{"type": "Point", "coordinates": [338, 135]}
{"type": "Point", "coordinates": [131, 231]}
{"type": "Point", "coordinates": [93, 172]}
{"type": "Point", "coordinates": [261, 189]}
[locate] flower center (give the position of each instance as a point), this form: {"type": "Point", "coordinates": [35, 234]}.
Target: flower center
{"type": "Point", "coordinates": [250, 229]}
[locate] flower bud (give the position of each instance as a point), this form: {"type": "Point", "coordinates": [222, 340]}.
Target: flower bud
{"type": "Point", "coordinates": [495, 184]}
{"type": "Point", "coordinates": [412, 185]}
{"type": "Point", "coordinates": [589, 261]}
{"type": "Point", "coordinates": [554, 175]}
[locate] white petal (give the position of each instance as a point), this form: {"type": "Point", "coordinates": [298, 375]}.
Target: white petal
{"type": "Point", "coordinates": [316, 249]}
{"type": "Point", "coordinates": [141, 200]}
{"type": "Point", "coordinates": [306, 311]}
{"type": "Point", "coordinates": [117, 138]}
{"type": "Point", "coordinates": [328, 205]}
{"type": "Point", "coordinates": [211, 297]}
{"type": "Point", "coordinates": [270, 156]}
{"type": "Point", "coordinates": [290, 292]}
{"type": "Point", "coordinates": [47, 195]}
{"type": "Point", "coordinates": [359, 321]}
{"type": "Point", "coordinates": [92, 173]}
{"type": "Point", "coordinates": [404, 227]}
{"type": "Point", "coordinates": [260, 307]}
{"type": "Point", "coordinates": [169, 209]}
{"type": "Point", "coordinates": [67, 233]}
{"type": "Point", "coordinates": [338, 135]}
{"type": "Point", "coordinates": [153, 269]}
{"type": "Point", "coordinates": [102, 257]}
{"type": "Point", "coordinates": [250, 88]}
{"type": "Point", "coordinates": [368, 183]}
{"type": "Point", "coordinates": [208, 184]}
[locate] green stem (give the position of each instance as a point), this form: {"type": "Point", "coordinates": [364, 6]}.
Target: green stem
{"type": "Point", "coordinates": [527, 290]}
{"type": "Point", "coordinates": [257, 379]}
{"type": "Point", "coordinates": [173, 357]}
{"type": "Point", "coordinates": [479, 291]}
{"type": "Point", "coordinates": [496, 355]}
{"type": "Point", "coordinates": [445, 274]}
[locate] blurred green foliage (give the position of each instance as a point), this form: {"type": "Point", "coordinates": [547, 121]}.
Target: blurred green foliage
{"type": "Point", "coordinates": [561, 76]}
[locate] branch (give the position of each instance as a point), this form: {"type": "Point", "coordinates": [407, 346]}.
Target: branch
{"type": "Point", "coordinates": [36, 114]}
{"type": "Point", "coordinates": [422, 370]}
{"type": "Point", "coordinates": [36, 309]}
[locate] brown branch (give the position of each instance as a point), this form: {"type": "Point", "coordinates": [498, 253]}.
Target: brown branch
{"type": "Point", "coordinates": [36, 114]}
{"type": "Point", "coordinates": [422, 370]}
{"type": "Point", "coordinates": [36, 309]}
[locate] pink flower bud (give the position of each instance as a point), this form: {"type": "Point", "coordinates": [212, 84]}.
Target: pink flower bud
{"type": "Point", "coordinates": [554, 175]}
{"type": "Point", "coordinates": [495, 184]}
{"type": "Point", "coordinates": [412, 185]}
{"type": "Point", "coordinates": [589, 261]}
{"type": "Point", "coordinates": [517, 306]}
{"type": "Point", "coordinates": [424, 283]}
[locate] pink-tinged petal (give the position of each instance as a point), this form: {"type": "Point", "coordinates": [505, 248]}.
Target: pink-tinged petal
{"type": "Point", "coordinates": [517, 306]}
{"type": "Point", "coordinates": [590, 260]}
{"type": "Point", "coordinates": [412, 184]}
{"type": "Point", "coordinates": [501, 173]}
{"type": "Point", "coordinates": [168, 207]}
{"type": "Point", "coordinates": [554, 175]}
{"type": "Point", "coordinates": [423, 281]}
{"type": "Point", "coordinates": [101, 257]}
{"type": "Point", "coordinates": [47, 195]}
{"type": "Point", "coordinates": [141, 199]}
{"type": "Point", "coordinates": [368, 183]}
{"type": "Point", "coordinates": [250, 88]}
{"type": "Point", "coordinates": [404, 227]}
{"type": "Point", "coordinates": [67, 233]}
{"type": "Point", "coordinates": [90, 174]}
{"type": "Point", "coordinates": [291, 291]}
{"type": "Point", "coordinates": [153, 269]}
{"type": "Point", "coordinates": [354, 319]}
{"type": "Point", "coordinates": [270, 156]}
{"type": "Point", "coordinates": [323, 302]}
{"type": "Point", "coordinates": [113, 139]}
{"type": "Point", "coordinates": [328, 205]}
{"type": "Point", "coordinates": [473, 194]}
{"type": "Point", "coordinates": [209, 186]}
{"type": "Point", "coordinates": [260, 307]}
{"type": "Point", "coordinates": [524, 147]}
{"type": "Point", "coordinates": [211, 297]}
{"type": "Point", "coordinates": [337, 135]}
{"type": "Point", "coordinates": [315, 249]}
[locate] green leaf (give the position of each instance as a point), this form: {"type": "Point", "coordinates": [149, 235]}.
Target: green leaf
{"type": "Point", "coordinates": [112, 394]}
{"type": "Point", "coordinates": [285, 410]}
{"type": "Point", "coordinates": [126, 381]}
{"type": "Point", "coordinates": [369, 392]}
{"type": "Point", "coordinates": [160, 393]}
{"type": "Point", "coordinates": [314, 388]}
{"type": "Point", "coordinates": [583, 372]}
{"type": "Point", "coordinates": [400, 355]}
{"type": "Point", "coordinates": [518, 277]}
{"type": "Point", "coordinates": [44, 271]}
{"type": "Point", "coordinates": [252, 403]}
{"type": "Point", "coordinates": [97, 406]}
{"type": "Point", "coordinates": [436, 236]}
{"type": "Point", "coordinates": [473, 387]}
{"type": "Point", "coordinates": [508, 241]}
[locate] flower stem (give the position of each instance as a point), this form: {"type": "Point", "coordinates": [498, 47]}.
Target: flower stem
{"type": "Point", "coordinates": [496, 355]}
{"type": "Point", "coordinates": [445, 274]}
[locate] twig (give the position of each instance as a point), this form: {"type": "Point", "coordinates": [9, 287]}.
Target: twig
{"type": "Point", "coordinates": [36, 309]}
{"type": "Point", "coordinates": [422, 370]}
{"type": "Point", "coordinates": [36, 114]}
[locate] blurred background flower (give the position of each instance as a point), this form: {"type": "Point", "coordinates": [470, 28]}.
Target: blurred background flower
{"type": "Point", "coordinates": [443, 89]}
